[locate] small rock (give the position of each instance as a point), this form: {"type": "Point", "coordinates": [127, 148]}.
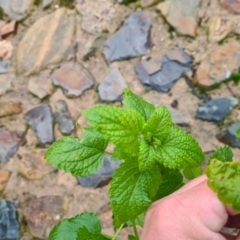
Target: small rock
{"type": "Point", "coordinates": [171, 68]}
{"type": "Point", "coordinates": [231, 5]}
{"type": "Point", "coordinates": [8, 29]}
{"type": "Point", "coordinates": [36, 89]}
{"type": "Point", "coordinates": [174, 103]}
{"type": "Point", "coordinates": [10, 108]}
{"type": "Point", "coordinates": [33, 166]}
{"type": "Point", "coordinates": [40, 120]}
{"type": "Point", "coordinates": [111, 89]}
{"type": "Point", "coordinates": [93, 45]}
{"type": "Point", "coordinates": [63, 117]}
{"type": "Point", "coordinates": [9, 143]}
{"type": "Point", "coordinates": [73, 79]}
{"type": "Point", "coordinates": [43, 213]}
{"type": "Point", "coordinates": [98, 17]}
{"type": "Point", "coordinates": [216, 109]}
{"type": "Point", "coordinates": [229, 136]}
{"type": "Point", "coordinates": [219, 65]}
{"type": "Point", "coordinates": [103, 176]}
{"type": "Point", "coordinates": [3, 67]}
{"type": "Point", "coordinates": [182, 15]}
{"type": "Point", "coordinates": [148, 3]}
{"type": "Point", "coordinates": [16, 9]}
{"type": "Point", "coordinates": [219, 28]}
{"type": "Point", "coordinates": [6, 49]}
{"type": "Point", "coordinates": [34, 55]}
{"type": "Point", "coordinates": [5, 86]}
{"type": "Point", "coordinates": [9, 228]}
{"type": "Point", "coordinates": [133, 40]}
{"type": "Point", "coordinates": [4, 176]}
{"type": "Point", "coordinates": [46, 3]}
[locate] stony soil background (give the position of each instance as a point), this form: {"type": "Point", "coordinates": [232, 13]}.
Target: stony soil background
{"type": "Point", "coordinates": [57, 61]}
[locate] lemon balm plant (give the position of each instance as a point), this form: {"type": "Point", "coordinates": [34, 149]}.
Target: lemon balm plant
{"type": "Point", "coordinates": [155, 155]}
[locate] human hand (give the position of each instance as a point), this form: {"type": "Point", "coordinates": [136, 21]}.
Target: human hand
{"type": "Point", "coordinates": [192, 213]}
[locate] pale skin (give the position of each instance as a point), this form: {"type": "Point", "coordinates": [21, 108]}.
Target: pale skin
{"type": "Point", "coordinates": [192, 213]}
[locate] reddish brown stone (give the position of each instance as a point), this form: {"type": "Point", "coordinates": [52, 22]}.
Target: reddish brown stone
{"type": "Point", "coordinates": [182, 15]}
{"type": "Point", "coordinates": [33, 166]}
{"type": "Point", "coordinates": [231, 5]}
{"type": "Point", "coordinates": [219, 28]}
{"type": "Point", "coordinates": [73, 79]}
{"type": "Point", "coordinates": [10, 108]}
{"type": "Point", "coordinates": [8, 29]}
{"type": "Point", "coordinates": [43, 213]}
{"type": "Point", "coordinates": [219, 65]}
{"type": "Point", "coordinates": [6, 49]}
{"type": "Point", "coordinates": [4, 176]}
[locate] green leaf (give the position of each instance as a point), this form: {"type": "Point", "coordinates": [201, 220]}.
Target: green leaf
{"type": "Point", "coordinates": [224, 179]}
{"type": "Point", "coordinates": [68, 228]}
{"type": "Point", "coordinates": [192, 172]}
{"type": "Point", "coordinates": [120, 153]}
{"type": "Point", "coordinates": [131, 191]}
{"type": "Point", "coordinates": [139, 220]}
{"type": "Point", "coordinates": [119, 126]}
{"type": "Point", "coordinates": [179, 149]}
{"type": "Point", "coordinates": [223, 154]}
{"type": "Point", "coordinates": [80, 158]}
{"type": "Point", "coordinates": [85, 234]}
{"type": "Point", "coordinates": [171, 182]}
{"type": "Point", "coordinates": [136, 103]}
{"type": "Point", "coordinates": [238, 133]}
{"type": "Point", "coordinates": [146, 157]}
{"type": "Point", "coordinates": [159, 124]}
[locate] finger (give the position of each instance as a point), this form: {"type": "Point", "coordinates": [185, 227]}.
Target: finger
{"type": "Point", "coordinates": [233, 222]}
{"type": "Point", "coordinates": [191, 184]}
{"type": "Point", "coordinates": [196, 182]}
{"type": "Point", "coordinates": [238, 236]}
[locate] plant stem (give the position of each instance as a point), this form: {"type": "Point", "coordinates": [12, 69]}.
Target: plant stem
{"type": "Point", "coordinates": [135, 229]}
{"type": "Point", "coordinates": [118, 231]}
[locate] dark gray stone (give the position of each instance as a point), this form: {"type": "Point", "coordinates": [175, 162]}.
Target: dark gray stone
{"type": "Point", "coordinates": [229, 136]}
{"type": "Point", "coordinates": [40, 120]}
{"type": "Point", "coordinates": [172, 67]}
{"type": "Point", "coordinates": [16, 9]}
{"type": "Point", "coordinates": [111, 89]}
{"type": "Point", "coordinates": [216, 109]}
{"type": "Point", "coordinates": [131, 41]}
{"type": "Point", "coordinates": [3, 67]}
{"type": "Point", "coordinates": [9, 228]}
{"type": "Point", "coordinates": [103, 176]}
{"type": "Point", "coordinates": [63, 117]}
{"type": "Point", "coordinates": [9, 144]}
